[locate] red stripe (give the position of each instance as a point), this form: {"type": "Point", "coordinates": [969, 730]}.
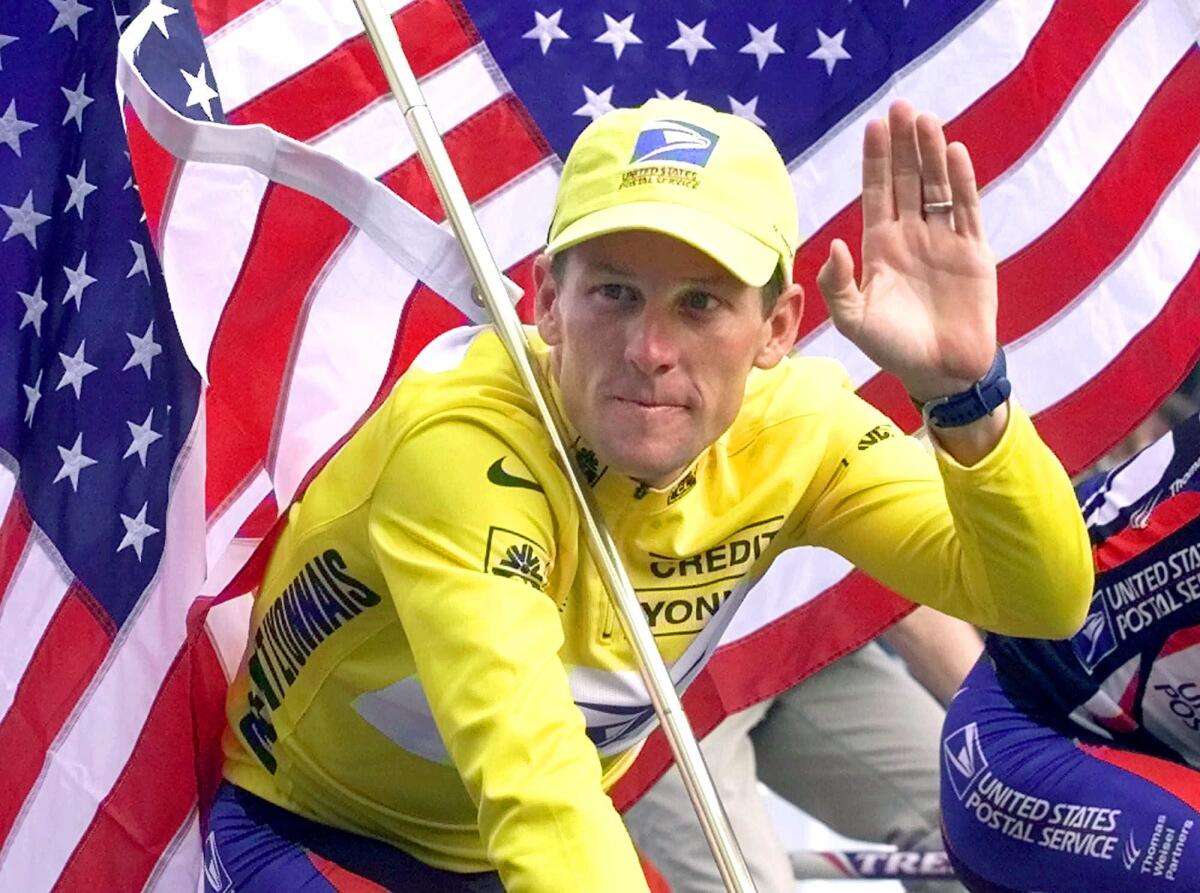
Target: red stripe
{"type": "Point", "coordinates": [1001, 126]}
{"type": "Point", "coordinates": [842, 618]}
{"type": "Point", "coordinates": [260, 520]}
{"type": "Point", "coordinates": [1182, 782]}
{"type": "Point", "coordinates": [14, 536]}
{"type": "Point", "coordinates": [172, 765]}
{"type": "Point", "coordinates": [153, 167]}
{"type": "Point", "coordinates": [341, 83]}
{"type": "Point", "coordinates": [1109, 405]}
{"type": "Point", "coordinates": [293, 240]}
{"type": "Point", "coordinates": [1131, 542]}
{"type": "Point", "coordinates": [62, 666]}
{"type": "Point", "coordinates": [1101, 225]}
{"type": "Point", "coordinates": [488, 149]}
{"type": "Point", "coordinates": [214, 14]}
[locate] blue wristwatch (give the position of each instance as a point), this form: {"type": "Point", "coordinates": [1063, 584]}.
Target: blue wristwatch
{"type": "Point", "coordinates": [979, 400]}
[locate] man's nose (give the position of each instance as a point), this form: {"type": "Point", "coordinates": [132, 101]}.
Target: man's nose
{"type": "Point", "coordinates": [651, 344]}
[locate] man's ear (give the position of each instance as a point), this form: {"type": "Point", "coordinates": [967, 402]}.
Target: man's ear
{"type": "Point", "coordinates": [782, 326]}
{"type": "Point", "coordinates": [545, 301]}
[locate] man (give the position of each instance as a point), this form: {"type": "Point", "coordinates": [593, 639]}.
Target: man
{"type": "Point", "coordinates": [1076, 765]}
{"type": "Point", "coordinates": [437, 693]}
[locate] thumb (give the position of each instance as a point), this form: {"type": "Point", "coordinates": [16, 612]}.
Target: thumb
{"type": "Point", "coordinates": [836, 276]}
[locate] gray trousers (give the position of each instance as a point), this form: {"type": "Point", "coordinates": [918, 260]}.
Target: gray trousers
{"type": "Point", "coordinates": [855, 746]}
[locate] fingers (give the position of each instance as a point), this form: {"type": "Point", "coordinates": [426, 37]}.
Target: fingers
{"type": "Point", "coordinates": [907, 164]}
{"type": "Point", "coordinates": [877, 174]}
{"type": "Point", "coordinates": [935, 176]}
{"type": "Point", "coordinates": [968, 212]}
{"type": "Point", "coordinates": [836, 276]}
{"type": "Point", "coordinates": [906, 160]}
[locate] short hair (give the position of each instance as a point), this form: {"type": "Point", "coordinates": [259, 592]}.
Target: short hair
{"type": "Point", "coordinates": [770, 292]}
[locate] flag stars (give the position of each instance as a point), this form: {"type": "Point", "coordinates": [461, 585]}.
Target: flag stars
{"type": "Point", "coordinates": [69, 13]}
{"type": "Point", "coordinates": [159, 12]}
{"type": "Point", "coordinates": [73, 462]}
{"type": "Point", "coordinates": [691, 40]}
{"type": "Point", "coordinates": [136, 531]}
{"type": "Point", "coordinates": [75, 370]}
{"type": "Point", "coordinates": [618, 35]}
{"type": "Point", "coordinates": [78, 280]}
{"type": "Point", "coordinates": [596, 105]}
{"type": "Point", "coordinates": [199, 92]}
{"type": "Point", "coordinates": [34, 308]}
{"type": "Point", "coordinates": [747, 110]}
{"type": "Point", "coordinates": [33, 393]}
{"type": "Point", "coordinates": [145, 349]}
{"type": "Point", "coordinates": [762, 44]}
{"type": "Point", "coordinates": [11, 127]}
{"type": "Point", "coordinates": [139, 261]}
{"type": "Point", "coordinates": [25, 220]}
{"type": "Point", "coordinates": [77, 101]}
{"type": "Point", "coordinates": [830, 51]}
{"type": "Point", "coordinates": [546, 30]}
{"type": "Point", "coordinates": [5, 40]}
{"type": "Point", "coordinates": [143, 435]}
{"type": "Point", "coordinates": [80, 189]}
{"type": "Point", "coordinates": [682, 94]}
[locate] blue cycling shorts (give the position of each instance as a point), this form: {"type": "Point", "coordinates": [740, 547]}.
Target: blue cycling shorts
{"type": "Point", "coordinates": [253, 846]}
{"type": "Point", "coordinates": [1027, 808]}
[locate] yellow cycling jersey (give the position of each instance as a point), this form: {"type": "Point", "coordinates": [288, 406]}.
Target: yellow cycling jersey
{"type": "Point", "coordinates": [433, 661]}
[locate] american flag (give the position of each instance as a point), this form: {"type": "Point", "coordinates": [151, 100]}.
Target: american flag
{"type": "Point", "coordinates": [1079, 115]}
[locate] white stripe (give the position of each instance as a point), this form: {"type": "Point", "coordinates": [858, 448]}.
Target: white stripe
{"type": "Point", "coordinates": [1036, 192]}
{"type": "Point", "coordinates": [37, 589]}
{"type": "Point", "coordinates": [515, 219]}
{"type": "Point", "coordinates": [1123, 302]}
{"type": "Point", "coordinates": [181, 866]}
{"type": "Point", "coordinates": [349, 332]}
{"type": "Point", "coordinates": [223, 528]}
{"type": "Point", "coordinates": [201, 258]}
{"type": "Point", "coordinates": [78, 774]}
{"type": "Point", "coordinates": [826, 341]}
{"type": "Point", "coordinates": [375, 139]}
{"type": "Point", "coordinates": [795, 577]}
{"type": "Point", "coordinates": [297, 33]}
{"type": "Point", "coordinates": [8, 483]}
{"type": "Point", "coordinates": [946, 83]}
{"type": "Point", "coordinates": [228, 627]}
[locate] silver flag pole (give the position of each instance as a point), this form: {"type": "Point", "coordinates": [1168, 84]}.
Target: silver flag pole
{"type": "Point", "coordinates": [490, 285]}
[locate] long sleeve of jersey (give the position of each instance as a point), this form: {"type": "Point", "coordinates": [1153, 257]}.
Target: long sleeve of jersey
{"type": "Point", "coordinates": [1000, 544]}
{"type": "Point", "coordinates": [485, 637]}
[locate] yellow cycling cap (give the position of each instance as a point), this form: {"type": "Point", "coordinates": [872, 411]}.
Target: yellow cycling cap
{"type": "Point", "coordinates": [707, 178]}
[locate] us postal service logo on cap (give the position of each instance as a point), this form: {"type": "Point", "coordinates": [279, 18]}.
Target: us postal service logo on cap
{"type": "Point", "coordinates": [668, 140]}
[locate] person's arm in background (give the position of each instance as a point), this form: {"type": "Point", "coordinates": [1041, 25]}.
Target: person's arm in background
{"type": "Point", "coordinates": [939, 649]}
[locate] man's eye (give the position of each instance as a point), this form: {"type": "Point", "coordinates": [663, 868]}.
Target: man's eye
{"type": "Point", "coordinates": [614, 291]}
{"type": "Point", "coordinates": [699, 301]}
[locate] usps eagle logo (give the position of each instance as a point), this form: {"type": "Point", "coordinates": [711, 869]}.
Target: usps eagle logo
{"type": "Point", "coordinates": [679, 141]}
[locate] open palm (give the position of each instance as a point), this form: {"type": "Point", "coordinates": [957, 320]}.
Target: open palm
{"type": "Point", "coordinates": [926, 306]}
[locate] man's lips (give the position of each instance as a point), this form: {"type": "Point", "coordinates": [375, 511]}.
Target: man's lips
{"type": "Point", "coordinates": [648, 404]}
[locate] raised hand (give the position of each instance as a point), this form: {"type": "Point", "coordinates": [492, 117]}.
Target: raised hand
{"type": "Point", "coordinates": [926, 306]}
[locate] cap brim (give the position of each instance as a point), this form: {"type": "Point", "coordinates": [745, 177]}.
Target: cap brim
{"type": "Point", "coordinates": [743, 255]}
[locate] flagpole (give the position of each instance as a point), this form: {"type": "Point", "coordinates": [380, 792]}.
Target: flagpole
{"type": "Point", "coordinates": [490, 286]}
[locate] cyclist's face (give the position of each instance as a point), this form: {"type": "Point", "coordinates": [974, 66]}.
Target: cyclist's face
{"type": "Point", "coordinates": [652, 344]}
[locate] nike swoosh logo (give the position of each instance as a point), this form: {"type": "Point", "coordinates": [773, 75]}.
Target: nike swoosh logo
{"type": "Point", "coordinates": [501, 478]}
